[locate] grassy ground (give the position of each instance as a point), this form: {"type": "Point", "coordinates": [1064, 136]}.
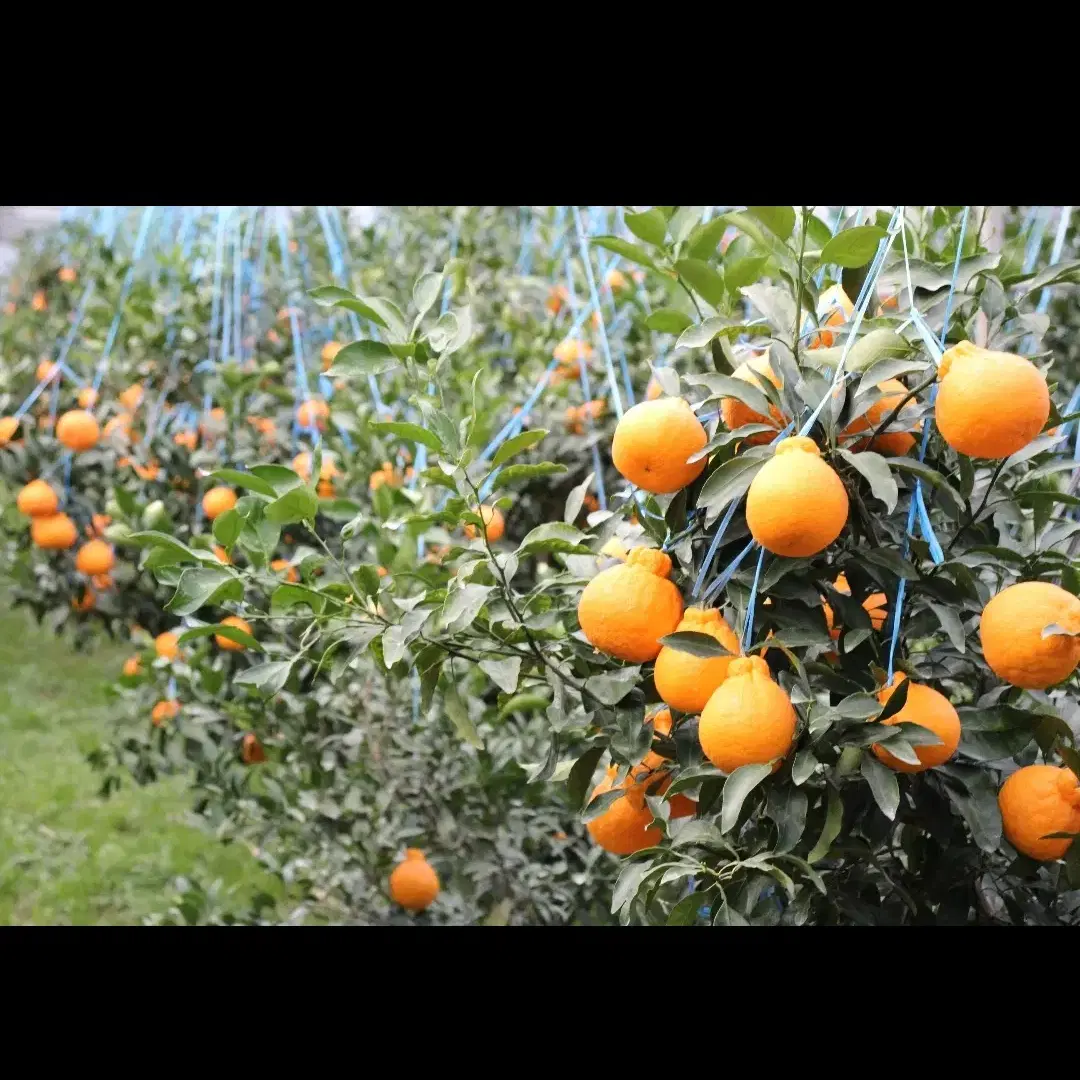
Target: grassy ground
{"type": "Point", "coordinates": [66, 856]}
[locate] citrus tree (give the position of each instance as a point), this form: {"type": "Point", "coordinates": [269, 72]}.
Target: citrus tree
{"type": "Point", "coordinates": [792, 637]}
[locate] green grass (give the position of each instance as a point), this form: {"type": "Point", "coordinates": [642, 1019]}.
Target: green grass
{"type": "Point", "coordinates": [67, 856]}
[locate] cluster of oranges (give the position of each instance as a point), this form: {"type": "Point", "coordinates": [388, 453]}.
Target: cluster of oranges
{"type": "Point", "coordinates": [53, 530]}
{"type": "Point", "coordinates": [989, 405]}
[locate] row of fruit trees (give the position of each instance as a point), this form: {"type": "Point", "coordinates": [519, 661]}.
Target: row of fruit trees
{"type": "Point", "coordinates": [670, 565]}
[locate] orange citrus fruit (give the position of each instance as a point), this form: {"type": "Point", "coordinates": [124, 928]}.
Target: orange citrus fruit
{"type": "Point", "coordinates": [494, 524]}
{"type": "Point", "coordinates": [989, 404]}
{"type": "Point", "coordinates": [1011, 633]}
{"type": "Point", "coordinates": [686, 682]}
{"type": "Point", "coordinates": [736, 413]}
{"type": "Point", "coordinates": [96, 557]}
{"type": "Point", "coordinates": [164, 710]}
{"type": "Point", "coordinates": [8, 426]}
{"type": "Point", "coordinates": [681, 806]}
{"type": "Point", "coordinates": [623, 827]}
{"type": "Point", "coordinates": [37, 499]}
{"type": "Point", "coordinates": [251, 751]}
{"type": "Point", "coordinates": [55, 532]}
{"type": "Point", "coordinates": [329, 352]}
{"type": "Point", "coordinates": [626, 609]}
{"type": "Point", "coordinates": [217, 500]}
{"type": "Point", "coordinates": [167, 645]}
{"type": "Point", "coordinates": [313, 413]}
{"type": "Point", "coordinates": [926, 707]}
{"type": "Point", "coordinates": [749, 720]}
{"type": "Point", "coordinates": [1038, 800]}
{"type": "Point", "coordinates": [227, 643]}
{"type": "Point", "coordinates": [413, 883]}
{"type": "Point", "coordinates": [78, 430]}
{"type": "Point", "coordinates": [652, 442]}
{"type": "Point", "coordinates": [796, 505]}
{"type": "Point", "coordinates": [132, 397]}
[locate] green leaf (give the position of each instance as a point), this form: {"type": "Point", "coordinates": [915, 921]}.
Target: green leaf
{"type": "Point", "coordinates": [503, 673]}
{"type": "Point", "coordinates": [685, 912]}
{"type": "Point", "coordinates": [738, 273]}
{"type": "Point", "coordinates": [668, 321]}
{"type": "Point", "coordinates": [703, 279]}
{"type": "Point", "coordinates": [611, 687]}
{"type": "Point", "coordinates": [892, 561]}
{"type": "Point", "coordinates": [379, 311]}
{"type": "Point", "coordinates": [1053, 275]}
{"type": "Point", "coordinates": [695, 643]}
{"type": "Point", "coordinates": [197, 588]}
{"type": "Point", "coordinates": [722, 438]}
{"type": "Point", "coordinates": [1057, 630]}
{"type": "Point", "coordinates": [889, 360]}
{"type": "Point", "coordinates": [730, 481]}
{"type": "Point", "coordinates": [777, 305]}
{"type": "Point", "coordinates": [853, 247]}
{"type": "Point", "coordinates": [787, 808]}
{"type": "Point", "coordinates": [994, 733]}
{"type": "Point", "coordinates": [627, 885]}
{"type": "Point", "coordinates": [650, 226]}
{"type": "Point", "coordinates": [728, 916]}
{"type": "Point", "coordinates": [181, 552]}
{"type": "Point", "coordinates": [288, 596]}
{"type": "Point", "coordinates": [425, 293]}
{"type": "Point", "coordinates": [412, 432]}
{"type": "Point", "coordinates": [459, 716]}
{"type": "Point", "coordinates": [627, 250]}
{"type": "Point", "coordinates": [270, 677]}
{"type": "Point", "coordinates": [683, 221]}
{"type": "Point", "coordinates": [463, 604]}
{"type": "Point", "coordinates": [279, 477]}
{"type": "Point", "coordinates": [780, 220]}
{"type": "Point", "coordinates": [227, 528]}
{"type": "Point", "coordinates": [952, 624]}
{"type": "Point", "coordinates": [244, 480]}
{"type": "Point", "coordinates": [126, 501]}
{"type": "Point", "coordinates": [726, 386]}
{"type": "Point", "coordinates": [366, 578]}
{"type": "Point", "coordinates": [528, 472]}
{"type": "Point", "coordinates": [830, 830]}
{"type": "Point", "coordinates": [597, 805]}
{"type": "Point", "coordinates": [576, 499]}
{"type": "Point", "coordinates": [925, 472]}
{"type": "Point", "coordinates": [577, 785]}
{"type": "Point", "coordinates": [736, 787]}
{"type": "Point", "coordinates": [883, 785]}
{"type": "Point", "coordinates": [522, 703]}
{"type": "Point", "coordinates": [233, 633]}
{"type": "Point", "coordinates": [703, 240]}
{"type": "Point", "coordinates": [978, 805]}
{"type": "Point", "coordinates": [802, 768]}
{"type": "Point", "coordinates": [299, 504]}
{"type": "Point", "coordinates": [363, 358]}
{"type": "Point", "coordinates": [554, 536]}
{"type": "Point", "coordinates": [516, 445]}
{"type": "Point", "coordinates": [897, 701]}
{"type": "Point", "coordinates": [876, 471]}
